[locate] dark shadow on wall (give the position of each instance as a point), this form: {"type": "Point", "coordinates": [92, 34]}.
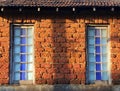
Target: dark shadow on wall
{"type": "Point", "coordinates": [60, 60]}
{"type": "Point", "coordinates": [60, 55]}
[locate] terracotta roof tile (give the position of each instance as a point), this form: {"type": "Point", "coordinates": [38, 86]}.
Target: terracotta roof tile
{"type": "Point", "coordinates": [59, 3]}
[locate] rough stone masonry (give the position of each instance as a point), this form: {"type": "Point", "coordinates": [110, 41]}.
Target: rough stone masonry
{"type": "Point", "coordinates": [59, 46]}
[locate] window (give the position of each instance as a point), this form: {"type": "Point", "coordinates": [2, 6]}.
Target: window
{"type": "Point", "coordinates": [22, 54]}
{"type": "Point", "coordinates": [98, 68]}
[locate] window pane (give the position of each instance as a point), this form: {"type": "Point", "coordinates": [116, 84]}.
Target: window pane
{"type": "Point", "coordinates": [23, 45]}
{"type": "Point", "coordinates": [97, 32]}
{"type": "Point", "coordinates": [23, 31]}
{"type": "Point", "coordinates": [97, 54]}
{"type": "Point", "coordinates": [17, 40]}
{"type": "Point", "coordinates": [91, 58]}
{"type": "Point", "coordinates": [91, 76]}
{"type": "Point", "coordinates": [98, 58]}
{"type": "Point", "coordinates": [30, 49]}
{"type": "Point", "coordinates": [17, 67]}
{"type": "Point", "coordinates": [16, 49]}
{"type": "Point", "coordinates": [91, 40]}
{"type": "Point", "coordinates": [91, 49]}
{"type": "Point", "coordinates": [97, 40]}
{"type": "Point", "coordinates": [91, 32]}
{"type": "Point", "coordinates": [17, 32]}
{"type": "Point", "coordinates": [23, 40]}
{"type": "Point", "coordinates": [23, 67]}
{"type": "Point", "coordinates": [30, 67]}
{"type": "Point", "coordinates": [98, 75]}
{"type": "Point", "coordinates": [23, 58]}
{"type": "Point", "coordinates": [30, 32]}
{"type": "Point", "coordinates": [104, 66]}
{"type": "Point", "coordinates": [104, 75]}
{"type": "Point", "coordinates": [22, 76]}
{"type": "Point", "coordinates": [17, 58]}
{"type": "Point", "coordinates": [104, 49]}
{"type": "Point", "coordinates": [104, 58]}
{"type": "Point", "coordinates": [30, 40]}
{"type": "Point", "coordinates": [91, 66]}
{"type": "Point", "coordinates": [30, 58]}
{"type": "Point", "coordinates": [30, 76]}
{"type": "Point", "coordinates": [104, 40]}
{"type": "Point", "coordinates": [104, 33]}
{"type": "Point", "coordinates": [23, 49]}
{"type": "Point", "coordinates": [97, 49]}
{"type": "Point", "coordinates": [98, 67]}
{"type": "Point", "coordinates": [17, 76]}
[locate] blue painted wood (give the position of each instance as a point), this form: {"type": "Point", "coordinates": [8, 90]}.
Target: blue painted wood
{"type": "Point", "coordinates": [91, 32]}
{"type": "Point", "coordinates": [17, 41]}
{"type": "Point", "coordinates": [16, 76]}
{"type": "Point", "coordinates": [23, 31]}
{"type": "Point", "coordinates": [105, 76]}
{"type": "Point", "coordinates": [20, 40]}
{"type": "Point", "coordinates": [104, 41]}
{"type": "Point", "coordinates": [97, 49]}
{"type": "Point", "coordinates": [98, 75]}
{"type": "Point", "coordinates": [17, 32]}
{"type": "Point", "coordinates": [23, 67]}
{"type": "Point", "coordinates": [23, 58]}
{"type": "Point", "coordinates": [22, 76]}
{"type": "Point", "coordinates": [16, 58]}
{"type": "Point", "coordinates": [23, 49]}
{"type": "Point", "coordinates": [97, 40]}
{"type": "Point", "coordinates": [98, 59]}
{"type": "Point", "coordinates": [91, 41]}
{"type": "Point", "coordinates": [23, 40]}
{"type": "Point", "coordinates": [92, 67]}
{"type": "Point", "coordinates": [104, 49]}
{"type": "Point", "coordinates": [97, 32]}
{"type": "Point", "coordinates": [98, 67]}
{"type": "Point", "coordinates": [92, 75]}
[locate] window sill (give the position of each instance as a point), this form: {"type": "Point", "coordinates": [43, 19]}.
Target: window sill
{"type": "Point", "coordinates": [101, 82]}
{"type": "Point", "coordinates": [26, 82]}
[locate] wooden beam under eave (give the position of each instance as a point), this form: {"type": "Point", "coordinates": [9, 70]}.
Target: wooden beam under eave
{"type": "Point", "coordinates": [94, 9]}
{"type": "Point", "coordinates": [2, 9]}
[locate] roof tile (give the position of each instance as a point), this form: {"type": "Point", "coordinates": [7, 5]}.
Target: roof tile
{"type": "Point", "coordinates": [59, 3]}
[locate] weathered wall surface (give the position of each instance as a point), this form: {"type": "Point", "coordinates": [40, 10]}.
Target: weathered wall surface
{"type": "Point", "coordinates": [60, 51]}
{"type": "Point", "coordinates": [4, 51]}
{"type": "Point", "coordinates": [59, 45]}
{"type": "Point", "coordinates": [60, 88]}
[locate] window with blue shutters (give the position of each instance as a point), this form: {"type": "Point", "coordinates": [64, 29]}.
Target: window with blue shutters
{"type": "Point", "coordinates": [98, 63]}
{"type": "Point", "coordinates": [22, 53]}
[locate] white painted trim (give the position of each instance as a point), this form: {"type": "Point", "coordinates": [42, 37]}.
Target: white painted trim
{"type": "Point", "coordinates": [109, 55]}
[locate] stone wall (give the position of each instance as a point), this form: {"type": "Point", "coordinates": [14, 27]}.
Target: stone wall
{"type": "Point", "coordinates": [4, 51]}
{"type": "Point", "coordinates": [60, 51]}
{"type": "Point", "coordinates": [59, 45]}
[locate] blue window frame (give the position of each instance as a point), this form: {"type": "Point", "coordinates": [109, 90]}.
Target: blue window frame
{"type": "Point", "coordinates": [22, 53]}
{"type": "Point", "coordinates": [97, 54]}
